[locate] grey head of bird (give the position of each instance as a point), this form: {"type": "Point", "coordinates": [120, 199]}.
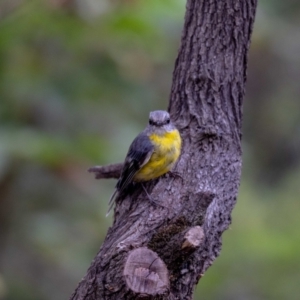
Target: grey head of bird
{"type": "Point", "coordinates": [160, 122]}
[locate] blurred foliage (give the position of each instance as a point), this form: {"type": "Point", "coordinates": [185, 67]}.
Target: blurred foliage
{"type": "Point", "coordinates": [77, 81]}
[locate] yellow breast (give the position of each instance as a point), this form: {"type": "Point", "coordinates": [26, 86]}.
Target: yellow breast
{"type": "Point", "coordinates": [167, 149]}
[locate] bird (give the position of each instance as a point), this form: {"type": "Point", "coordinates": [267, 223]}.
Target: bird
{"type": "Point", "coordinates": [152, 153]}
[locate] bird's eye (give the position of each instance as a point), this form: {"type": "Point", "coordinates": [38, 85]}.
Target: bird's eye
{"type": "Point", "coordinates": [168, 121]}
{"type": "Point", "coordinates": [151, 122]}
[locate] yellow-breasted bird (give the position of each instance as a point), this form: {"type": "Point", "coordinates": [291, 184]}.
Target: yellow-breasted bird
{"type": "Point", "coordinates": [151, 154]}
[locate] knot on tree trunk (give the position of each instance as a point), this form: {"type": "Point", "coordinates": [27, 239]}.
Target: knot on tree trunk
{"type": "Point", "coordinates": [145, 273]}
{"type": "Point", "coordinates": [193, 238]}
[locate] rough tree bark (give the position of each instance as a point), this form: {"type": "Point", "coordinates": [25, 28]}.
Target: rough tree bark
{"type": "Point", "coordinates": [153, 252]}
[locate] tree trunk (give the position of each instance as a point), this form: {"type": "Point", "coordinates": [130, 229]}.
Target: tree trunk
{"type": "Point", "coordinates": [154, 252]}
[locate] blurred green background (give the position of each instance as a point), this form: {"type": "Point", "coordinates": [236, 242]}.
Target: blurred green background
{"type": "Point", "coordinates": [77, 81]}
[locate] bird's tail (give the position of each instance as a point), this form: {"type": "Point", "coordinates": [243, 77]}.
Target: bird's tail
{"type": "Point", "coordinates": [112, 201]}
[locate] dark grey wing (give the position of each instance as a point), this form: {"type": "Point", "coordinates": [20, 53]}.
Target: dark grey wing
{"type": "Point", "coordinates": [138, 155]}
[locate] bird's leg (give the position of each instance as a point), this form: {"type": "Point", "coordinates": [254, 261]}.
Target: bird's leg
{"type": "Point", "coordinates": [151, 200]}
{"type": "Point", "coordinates": [174, 174]}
